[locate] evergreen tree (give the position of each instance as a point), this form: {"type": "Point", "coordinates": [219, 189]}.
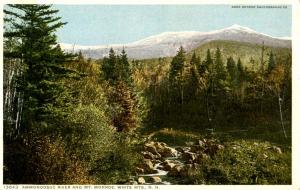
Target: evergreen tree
{"type": "Point", "coordinates": [271, 62]}
{"type": "Point", "coordinates": [109, 67]}
{"type": "Point", "coordinates": [220, 69]}
{"type": "Point", "coordinates": [208, 62]}
{"type": "Point", "coordinates": [191, 77]}
{"type": "Point", "coordinates": [240, 71]}
{"type": "Point", "coordinates": [45, 96]}
{"type": "Point", "coordinates": [116, 70]}
{"type": "Point", "coordinates": [231, 68]}
{"type": "Point", "coordinates": [176, 73]}
{"type": "Point", "coordinates": [177, 65]}
{"type": "Point", "coordinates": [125, 73]}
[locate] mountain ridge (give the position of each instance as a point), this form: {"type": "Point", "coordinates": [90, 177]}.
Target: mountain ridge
{"type": "Point", "coordinates": [167, 43]}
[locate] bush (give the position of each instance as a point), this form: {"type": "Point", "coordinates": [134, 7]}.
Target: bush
{"type": "Point", "coordinates": [245, 162]}
{"type": "Point", "coordinates": [43, 160]}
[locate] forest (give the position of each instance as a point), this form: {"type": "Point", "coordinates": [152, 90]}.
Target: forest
{"type": "Point", "coordinates": [219, 114]}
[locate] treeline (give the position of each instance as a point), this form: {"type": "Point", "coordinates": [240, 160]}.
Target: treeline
{"type": "Point", "coordinates": [218, 93]}
{"type": "Point", "coordinates": [66, 120]}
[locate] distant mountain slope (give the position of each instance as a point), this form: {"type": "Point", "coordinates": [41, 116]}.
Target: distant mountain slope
{"type": "Point", "coordinates": [244, 51]}
{"type": "Point", "coordinates": [166, 44]}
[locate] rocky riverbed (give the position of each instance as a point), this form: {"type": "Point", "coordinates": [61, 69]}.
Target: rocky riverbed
{"type": "Point", "coordinates": [162, 163]}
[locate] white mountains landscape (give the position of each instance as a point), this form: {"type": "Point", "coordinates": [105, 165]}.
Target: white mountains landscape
{"type": "Point", "coordinates": [167, 43]}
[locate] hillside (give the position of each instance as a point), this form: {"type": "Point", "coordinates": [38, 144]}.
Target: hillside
{"type": "Point", "coordinates": [167, 43]}
{"type": "Point", "coordinates": [242, 50]}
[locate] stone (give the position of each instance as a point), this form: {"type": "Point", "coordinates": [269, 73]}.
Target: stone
{"type": "Point", "coordinates": [141, 180]}
{"type": "Point", "coordinates": [201, 143]}
{"type": "Point", "coordinates": [201, 158]}
{"type": "Point", "coordinates": [149, 155]}
{"type": "Point", "coordinates": [147, 166]}
{"type": "Point", "coordinates": [189, 156]}
{"type": "Point", "coordinates": [186, 170]}
{"type": "Point", "coordinates": [168, 166]}
{"type": "Point", "coordinates": [197, 148]}
{"type": "Point", "coordinates": [277, 149]}
{"type": "Point", "coordinates": [175, 171]}
{"type": "Point", "coordinates": [155, 179]}
{"type": "Point", "coordinates": [139, 170]}
{"type": "Point", "coordinates": [168, 152]}
{"type": "Point", "coordinates": [133, 183]}
{"type": "Point", "coordinates": [150, 147]}
{"type": "Point", "coordinates": [214, 148]}
{"type": "Point", "coordinates": [179, 149]}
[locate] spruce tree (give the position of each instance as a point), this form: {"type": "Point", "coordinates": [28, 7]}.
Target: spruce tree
{"type": "Point", "coordinates": [208, 62]}
{"type": "Point", "coordinates": [271, 62]}
{"type": "Point", "coordinates": [231, 68]}
{"type": "Point", "coordinates": [240, 71]}
{"type": "Point", "coordinates": [176, 73]}
{"type": "Point", "coordinates": [220, 69]}
{"type": "Point", "coordinates": [109, 67]}
{"type": "Point", "coordinates": [45, 96]}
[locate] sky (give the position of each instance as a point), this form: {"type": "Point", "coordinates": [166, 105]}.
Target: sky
{"type": "Point", "coordinates": [120, 24]}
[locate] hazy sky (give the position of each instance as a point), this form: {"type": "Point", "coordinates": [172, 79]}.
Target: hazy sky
{"type": "Point", "coordinates": [108, 24]}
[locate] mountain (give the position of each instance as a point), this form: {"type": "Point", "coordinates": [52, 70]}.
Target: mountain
{"type": "Point", "coordinates": [166, 44]}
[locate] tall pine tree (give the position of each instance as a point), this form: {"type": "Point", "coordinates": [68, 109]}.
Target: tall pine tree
{"type": "Point", "coordinates": [45, 97]}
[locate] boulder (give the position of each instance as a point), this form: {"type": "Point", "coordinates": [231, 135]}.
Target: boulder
{"type": "Point", "coordinates": [175, 171]}
{"type": "Point", "coordinates": [168, 152]}
{"type": "Point", "coordinates": [139, 170]}
{"type": "Point", "coordinates": [201, 158]}
{"type": "Point", "coordinates": [201, 143]}
{"type": "Point", "coordinates": [149, 155]}
{"type": "Point", "coordinates": [150, 147]}
{"type": "Point", "coordinates": [168, 165]}
{"type": "Point", "coordinates": [188, 156]}
{"type": "Point", "coordinates": [276, 149]}
{"type": "Point", "coordinates": [197, 148]}
{"type": "Point", "coordinates": [155, 179]}
{"type": "Point", "coordinates": [133, 183]}
{"type": "Point", "coordinates": [214, 148]}
{"type": "Point", "coordinates": [185, 171]}
{"type": "Point", "coordinates": [180, 149]}
{"type": "Point", "coordinates": [147, 166]}
{"type": "Point", "coordinates": [141, 180]}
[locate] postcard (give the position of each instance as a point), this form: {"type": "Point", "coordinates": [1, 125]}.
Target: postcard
{"type": "Point", "coordinates": [128, 95]}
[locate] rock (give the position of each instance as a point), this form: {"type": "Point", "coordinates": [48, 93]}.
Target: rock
{"type": "Point", "coordinates": [168, 165]}
{"type": "Point", "coordinates": [277, 149]}
{"type": "Point", "coordinates": [197, 148]}
{"type": "Point", "coordinates": [214, 148]}
{"type": "Point", "coordinates": [139, 170]}
{"type": "Point", "coordinates": [201, 158]}
{"type": "Point", "coordinates": [141, 180]}
{"type": "Point", "coordinates": [190, 143]}
{"type": "Point", "coordinates": [189, 156]}
{"type": "Point", "coordinates": [155, 179]}
{"type": "Point", "coordinates": [147, 166]}
{"type": "Point", "coordinates": [179, 149]}
{"type": "Point", "coordinates": [201, 143]}
{"type": "Point", "coordinates": [186, 170]}
{"type": "Point", "coordinates": [149, 155]}
{"type": "Point", "coordinates": [175, 171]}
{"type": "Point", "coordinates": [150, 147]}
{"type": "Point", "coordinates": [133, 183]}
{"type": "Point", "coordinates": [168, 152]}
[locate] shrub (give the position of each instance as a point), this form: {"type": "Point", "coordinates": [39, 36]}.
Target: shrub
{"type": "Point", "coordinates": [245, 162]}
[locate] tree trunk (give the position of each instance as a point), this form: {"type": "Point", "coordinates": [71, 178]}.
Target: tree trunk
{"type": "Point", "coordinates": [281, 117]}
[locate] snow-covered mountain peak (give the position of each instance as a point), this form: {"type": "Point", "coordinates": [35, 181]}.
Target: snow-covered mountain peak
{"type": "Point", "coordinates": [167, 43]}
{"type": "Point", "coordinates": [237, 27]}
